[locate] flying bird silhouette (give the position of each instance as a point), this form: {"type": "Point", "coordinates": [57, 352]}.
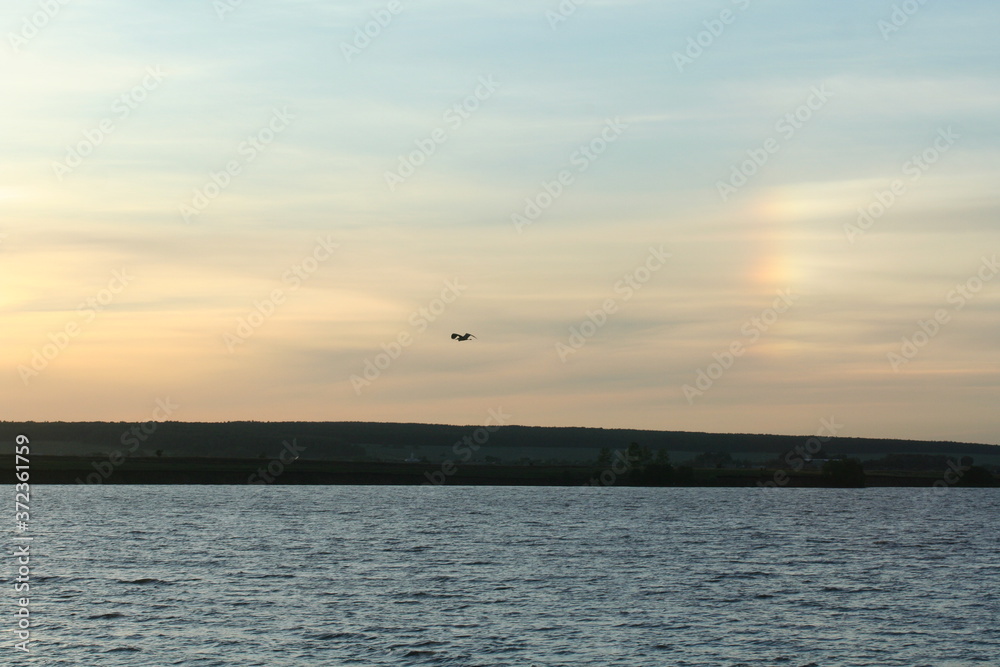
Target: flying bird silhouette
{"type": "Point", "coordinates": [462, 336]}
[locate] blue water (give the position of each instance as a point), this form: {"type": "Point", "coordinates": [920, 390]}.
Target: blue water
{"type": "Point", "coordinates": [220, 575]}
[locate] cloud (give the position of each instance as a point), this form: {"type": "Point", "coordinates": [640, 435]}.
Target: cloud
{"type": "Point", "coordinates": [324, 176]}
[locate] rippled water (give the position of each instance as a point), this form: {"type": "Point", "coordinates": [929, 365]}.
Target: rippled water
{"type": "Point", "coordinates": [219, 575]}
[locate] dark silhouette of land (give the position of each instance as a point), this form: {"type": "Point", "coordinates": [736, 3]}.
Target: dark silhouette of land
{"type": "Point", "coordinates": [399, 453]}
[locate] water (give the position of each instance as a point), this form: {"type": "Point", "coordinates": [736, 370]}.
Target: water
{"type": "Point", "coordinates": [213, 575]}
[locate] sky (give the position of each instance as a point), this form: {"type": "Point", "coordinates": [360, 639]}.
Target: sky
{"type": "Point", "coordinates": [729, 216]}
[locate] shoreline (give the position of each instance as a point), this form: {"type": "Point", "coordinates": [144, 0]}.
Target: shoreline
{"type": "Point", "coordinates": [239, 471]}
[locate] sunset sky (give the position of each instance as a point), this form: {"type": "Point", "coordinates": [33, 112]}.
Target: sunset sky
{"type": "Point", "coordinates": [239, 206]}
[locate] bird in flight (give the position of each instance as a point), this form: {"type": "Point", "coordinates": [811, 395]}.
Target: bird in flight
{"type": "Point", "coordinates": [462, 336]}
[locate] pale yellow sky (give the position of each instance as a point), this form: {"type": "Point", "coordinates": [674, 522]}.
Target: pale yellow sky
{"type": "Point", "coordinates": [300, 270]}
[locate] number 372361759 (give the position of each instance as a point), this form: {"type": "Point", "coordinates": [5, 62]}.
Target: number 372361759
{"type": "Point", "coordinates": [21, 472]}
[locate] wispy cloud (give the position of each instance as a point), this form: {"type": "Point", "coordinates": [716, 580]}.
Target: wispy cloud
{"type": "Point", "coordinates": [657, 183]}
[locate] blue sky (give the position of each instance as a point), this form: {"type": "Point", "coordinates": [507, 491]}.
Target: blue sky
{"type": "Point", "coordinates": [303, 266]}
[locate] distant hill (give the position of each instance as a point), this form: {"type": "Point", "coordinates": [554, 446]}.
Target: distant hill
{"type": "Point", "coordinates": [372, 440]}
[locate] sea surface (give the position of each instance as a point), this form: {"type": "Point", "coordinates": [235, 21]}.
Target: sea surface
{"type": "Point", "coordinates": [424, 575]}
